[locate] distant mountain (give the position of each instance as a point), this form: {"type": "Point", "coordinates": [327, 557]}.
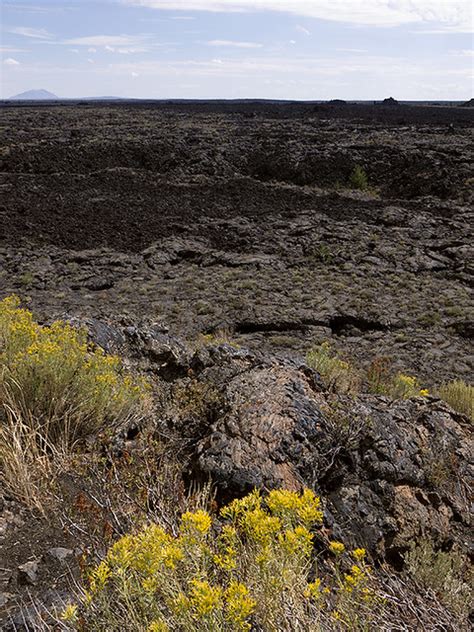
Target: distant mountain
{"type": "Point", "coordinates": [35, 95]}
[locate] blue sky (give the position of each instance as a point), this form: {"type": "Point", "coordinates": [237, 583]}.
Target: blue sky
{"type": "Point", "coordinates": [282, 49]}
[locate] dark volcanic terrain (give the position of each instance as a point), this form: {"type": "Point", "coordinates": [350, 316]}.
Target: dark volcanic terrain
{"type": "Point", "coordinates": [272, 227]}
{"type": "Point", "coordinates": [240, 216]}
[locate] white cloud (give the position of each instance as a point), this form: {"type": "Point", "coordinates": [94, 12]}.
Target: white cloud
{"type": "Point", "coordinates": [103, 40]}
{"type": "Point", "coordinates": [9, 61]}
{"type": "Point", "coordinates": [91, 61]}
{"type": "Point", "coordinates": [135, 74]}
{"type": "Point", "coordinates": [26, 31]}
{"type": "Point", "coordinates": [452, 14]}
{"type": "Point", "coordinates": [302, 29]}
{"type": "Point", "coordinates": [8, 49]}
{"type": "Point", "coordinates": [462, 53]}
{"type": "Point", "coordinates": [74, 50]}
{"type": "Point", "coordinates": [125, 51]}
{"type": "Point", "coordinates": [92, 50]}
{"type": "Point", "coordinates": [34, 9]}
{"type": "Point", "coordinates": [234, 44]}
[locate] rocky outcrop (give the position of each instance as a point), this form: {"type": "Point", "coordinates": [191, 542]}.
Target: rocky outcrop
{"type": "Point", "coordinates": [391, 472]}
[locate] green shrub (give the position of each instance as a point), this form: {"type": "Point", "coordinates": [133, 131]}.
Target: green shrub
{"type": "Point", "coordinates": [460, 396]}
{"type": "Point", "coordinates": [253, 568]}
{"type": "Point", "coordinates": [338, 375]}
{"type": "Point", "coordinates": [445, 573]}
{"type": "Point", "coordinates": [358, 179]}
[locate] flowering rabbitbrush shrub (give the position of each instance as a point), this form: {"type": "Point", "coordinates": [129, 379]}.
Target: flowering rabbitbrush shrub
{"type": "Point", "coordinates": [56, 380]}
{"type": "Point", "coordinates": [255, 566]}
{"type": "Point", "coordinates": [55, 389]}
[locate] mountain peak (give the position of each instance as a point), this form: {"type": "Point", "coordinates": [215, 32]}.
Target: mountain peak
{"type": "Point", "coordinates": [34, 95]}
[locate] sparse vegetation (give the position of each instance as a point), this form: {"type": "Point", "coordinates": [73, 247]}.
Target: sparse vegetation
{"type": "Point", "coordinates": [322, 253]}
{"type": "Point", "coordinates": [358, 179]}
{"type": "Point", "coordinates": [381, 381]}
{"type": "Point", "coordinates": [446, 573]}
{"type": "Point", "coordinates": [197, 401]}
{"type": "Point", "coordinates": [341, 377]}
{"type": "Point", "coordinates": [338, 374]}
{"type": "Point", "coordinates": [156, 236]}
{"type": "Point", "coordinates": [460, 396]}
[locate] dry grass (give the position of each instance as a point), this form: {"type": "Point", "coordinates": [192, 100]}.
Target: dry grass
{"type": "Point", "coordinates": [27, 460]}
{"type": "Point", "coordinates": [339, 376]}
{"type": "Point", "coordinates": [446, 574]}
{"type": "Point", "coordinates": [460, 396]}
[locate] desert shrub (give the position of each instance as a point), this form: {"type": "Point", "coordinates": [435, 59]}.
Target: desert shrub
{"type": "Point", "coordinates": [252, 567]}
{"type": "Point", "coordinates": [338, 374]}
{"type": "Point", "coordinates": [446, 573]}
{"type": "Point", "coordinates": [358, 178]}
{"type": "Point", "coordinates": [460, 396]}
{"type": "Point", "coordinates": [55, 389]}
{"type": "Point", "coordinates": [222, 336]}
{"type": "Point", "coordinates": [405, 386]}
{"type": "Point", "coordinates": [381, 381]}
{"type": "Point", "coordinates": [194, 400]}
{"type": "Point", "coordinates": [379, 375]}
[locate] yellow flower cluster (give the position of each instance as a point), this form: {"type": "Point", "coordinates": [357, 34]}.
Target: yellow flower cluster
{"type": "Point", "coordinates": [354, 578]}
{"type": "Point", "coordinates": [195, 524]}
{"type": "Point", "coordinates": [52, 372]}
{"type": "Point", "coordinates": [337, 547]}
{"type": "Point", "coordinates": [293, 508]}
{"type": "Point", "coordinates": [158, 626]}
{"type": "Point", "coordinates": [204, 598]}
{"type": "Point", "coordinates": [229, 574]}
{"type": "Point", "coordinates": [406, 386]}
{"type": "Point", "coordinates": [69, 614]}
{"type": "Point", "coordinates": [359, 554]}
{"type": "Point", "coordinates": [239, 604]}
{"type": "Point", "coordinates": [202, 574]}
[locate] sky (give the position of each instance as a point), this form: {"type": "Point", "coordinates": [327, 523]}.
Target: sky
{"type": "Point", "coordinates": [275, 49]}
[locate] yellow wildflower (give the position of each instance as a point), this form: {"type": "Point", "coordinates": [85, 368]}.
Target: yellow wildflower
{"type": "Point", "coordinates": [359, 554]}
{"type": "Point", "coordinates": [204, 597]}
{"type": "Point", "coordinates": [296, 541]}
{"type": "Point", "coordinates": [239, 606]}
{"type": "Point", "coordinates": [158, 626]}
{"type": "Point", "coordinates": [195, 523]}
{"type": "Point", "coordinates": [99, 577]}
{"type": "Point", "coordinates": [337, 547]}
{"type": "Point", "coordinates": [313, 590]}
{"type": "Point", "coordinates": [69, 614]}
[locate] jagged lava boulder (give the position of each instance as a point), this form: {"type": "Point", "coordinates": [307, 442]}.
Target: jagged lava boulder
{"type": "Point", "coordinates": [391, 472]}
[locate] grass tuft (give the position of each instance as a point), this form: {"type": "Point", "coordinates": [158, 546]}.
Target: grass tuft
{"type": "Point", "coordinates": [460, 396]}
